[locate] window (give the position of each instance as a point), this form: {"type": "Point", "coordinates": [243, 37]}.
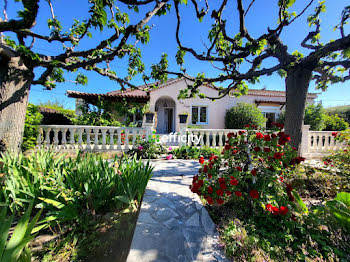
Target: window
{"type": "Point", "coordinates": [199, 115]}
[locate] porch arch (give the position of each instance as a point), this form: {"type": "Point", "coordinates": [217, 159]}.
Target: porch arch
{"type": "Point", "coordinates": [165, 107]}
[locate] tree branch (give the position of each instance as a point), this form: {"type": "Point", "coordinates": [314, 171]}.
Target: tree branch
{"type": "Point", "coordinates": [31, 11]}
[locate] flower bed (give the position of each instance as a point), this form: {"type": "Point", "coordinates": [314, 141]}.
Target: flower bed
{"type": "Point", "coordinates": [73, 193]}
{"type": "Point", "coordinates": [249, 194]}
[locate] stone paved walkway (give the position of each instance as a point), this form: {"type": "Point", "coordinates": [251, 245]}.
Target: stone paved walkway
{"type": "Point", "coordinates": [173, 225]}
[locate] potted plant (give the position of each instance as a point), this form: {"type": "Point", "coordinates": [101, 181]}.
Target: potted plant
{"type": "Point", "coordinates": [149, 116]}
{"type": "Point", "coordinates": [183, 118]}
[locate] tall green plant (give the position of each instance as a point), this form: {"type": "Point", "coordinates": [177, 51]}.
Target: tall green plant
{"type": "Point", "coordinates": [340, 208]}
{"type": "Point", "coordinates": [68, 187]}
{"type": "Point", "coordinates": [14, 247]}
{"type": "Point", "coordinates": [32, 120]}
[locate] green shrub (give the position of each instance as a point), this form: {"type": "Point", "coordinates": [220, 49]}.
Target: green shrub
{"type": "Point", "coordinates": [191, 152]}
{"type": "Point", "coordinates": [243, 114]}
{"type": "Point", "coordinates": [334, 123]}
{"type": "Point", "coordinates": [33, 119]}
{"type": "Point", "coordinates": [342, 111]}
{"type": "Point", "coordinates": [147, 150]}
{"type": "Point", "coordinates": [314, 116]}
{"type": "Point", "coordinates": [67, 188]}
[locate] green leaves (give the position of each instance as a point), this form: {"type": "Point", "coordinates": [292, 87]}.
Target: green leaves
{"type": "Point", "coordinates": [180, 56]}
{"type": "Point", "coordinates": [300, 202]}
{"type": "Point", "coordinates": [158, 70]}
{"type": "Point", "coordinates": [81, 79]}
{"type": "Point", "coordinates": [14, 249]}
{"type": "Point", "coordinates": [340, 208]}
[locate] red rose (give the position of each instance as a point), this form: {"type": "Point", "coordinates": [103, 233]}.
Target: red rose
{"type": "Point", "coordinates": [241, 132]}
{"type": "Point", "coordinates": [246, 126]}
{"type": "Point", "coordinates": [334, 134]}
{"type": "Point", "coordinates": [281, 134]}
{"type": "Point", "coordinates": [269, 207]}
{"type": "Point", "coordinates": [200, 183]}
{"type": "Point", "coordinates": [281, 179]}
{"type": "Point", "coordinates": [238, 193]}
{"type": "Point", "coordinates": [254, 194]}
{"type": "Point", "coordinates": [223, 186]}
{"type": "Point", "coordinates": [234, 151]}
{"type": "Point", "coordinates": [219, 201]}
{"type": "Point", "coordinates": [229, 135]}
{"type": "Point", "coordinates": [195, 178]}
{"type": "Point", "coordinates": [220, 192]}
{"type": "Point", "coordinates": [259, 136]}
{"type": "Point", "coordinates": [227, 147]}
{"type": "Point", "coordinates": [234, 182]}
{"type": "Point", "coordinates": [210, 176]}
{"type": "Point", "coordinates": [210, 200]}
{"type": "Point", "coordinates": [267, 149]}
{"type": "Point", "coordinates": [289, 187]}
{"type": "Point", "coordinates": [273, 136]}
{"type": "Point", "coordinates": [283, 210]}
{"type": "Point", "coordinates": [256, 149]}
{"type": "Point", "coordinates": [205, 169]}
{"type": "Point", "coordinates": [267, 137]}
{"type": "Point", "coordinates": [210, 190]}
{"type": "Point", "coordinates": [253, 172]}
{"type": "Point", "coordinates": [201, 160]}
{"type": "Point", "coordinates": [278, 155]}
{"type": "Point", "coordinates": [221, 180]}
{"type": "Point", "coordinates": [238, 168]}
{"type": "Point", "coordinates": [275, 210]}
{"type": "Point", "coordinates": [228, 193]}
{"type": "Point", "coordinates": [293, 217]}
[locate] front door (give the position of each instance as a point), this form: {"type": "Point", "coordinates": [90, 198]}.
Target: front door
{"type": "Point", "coordinates": [168, 120]}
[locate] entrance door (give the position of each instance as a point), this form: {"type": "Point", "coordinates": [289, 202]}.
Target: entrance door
{"type": "Point", "coordinates": [168, 120]}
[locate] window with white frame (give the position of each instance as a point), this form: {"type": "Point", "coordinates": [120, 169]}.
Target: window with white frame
{"type": "Point", "coordinates": [199, 115]}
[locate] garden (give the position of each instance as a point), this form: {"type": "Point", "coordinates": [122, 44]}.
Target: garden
{"type": "Point", "coordinates": [56, 207]}
{"type": "Point", "coordinates": [270, 206]}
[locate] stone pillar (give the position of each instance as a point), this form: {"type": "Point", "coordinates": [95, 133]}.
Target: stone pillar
{"type": "Point", "coordinates": [183, 133]}
{"type": "Point", "coordinates": [304, 148]}
{"type": "Point", "coordinates": [79, 102]}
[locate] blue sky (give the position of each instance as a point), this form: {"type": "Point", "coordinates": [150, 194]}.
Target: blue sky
{"type": "Point", "coordinates": [262, 15]}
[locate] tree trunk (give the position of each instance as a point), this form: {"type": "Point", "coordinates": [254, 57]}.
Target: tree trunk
{"type": "Point", "coordinates": [15, 81]}
{"type": "Point", "coordinates": [297, 84]}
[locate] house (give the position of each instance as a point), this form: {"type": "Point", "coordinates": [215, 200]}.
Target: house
{"type": "Point", "coordinates": [203, 113]}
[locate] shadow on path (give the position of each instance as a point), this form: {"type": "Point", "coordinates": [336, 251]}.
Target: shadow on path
{"type": "Point", "coordinates": [173, 225]}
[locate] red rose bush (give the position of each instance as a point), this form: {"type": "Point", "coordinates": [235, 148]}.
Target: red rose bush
{"type": "Point", "coordinates": [250, 168]}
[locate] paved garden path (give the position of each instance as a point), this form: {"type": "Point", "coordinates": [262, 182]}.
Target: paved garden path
{"type": "Point", "coordinates": [173, 225]}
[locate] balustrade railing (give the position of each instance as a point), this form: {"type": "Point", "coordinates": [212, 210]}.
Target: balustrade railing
{"type": "Point", "coordinates": [322, 141]}
{"type": "Point", "coordinates": [90, 138]}
{"type": "Point", "coordinates": [208, 137]}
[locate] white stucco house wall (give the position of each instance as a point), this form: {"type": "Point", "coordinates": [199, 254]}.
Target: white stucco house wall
{"type": "Point", "coordinates": [203, 113]}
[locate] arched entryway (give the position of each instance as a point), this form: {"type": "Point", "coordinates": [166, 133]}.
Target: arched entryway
{"type": "Point", "coordinates": [165, 108]}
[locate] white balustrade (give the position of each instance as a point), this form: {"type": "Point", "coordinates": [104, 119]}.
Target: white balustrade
{"type": "Point", "coordinates": [88, 138]}
{"type": "Point", "coordinates": [94, 138]}
{"type": "Point", "coordinates": [208, 137]}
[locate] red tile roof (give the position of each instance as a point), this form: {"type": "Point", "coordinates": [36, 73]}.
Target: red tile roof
{"type": "Point", "coordinates": [141, 97]}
